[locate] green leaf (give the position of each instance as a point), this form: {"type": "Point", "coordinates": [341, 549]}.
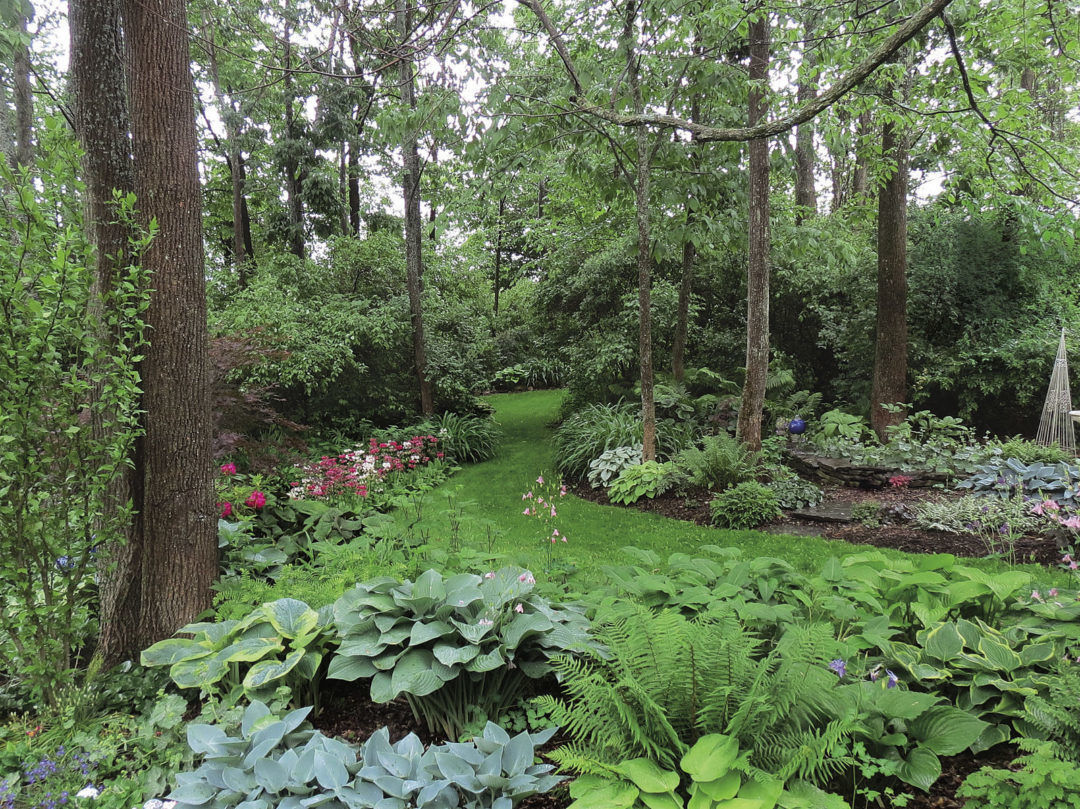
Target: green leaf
{"type": "Point", "coordinates": [942, 642]}
{"type": "Point", "coordinates": [329, 772]}
{"type": "Point", "coordinates": [173, 650]}
{"type": "Point", "coordinates": [271, 776]}
{"type": "Point", "coordinates": [413, 675]}
{"type": "Point", "coordinates": [193, 794]}
{"type": "Point", "coordinates": [946, 730]}
{"type": "Point", "coordinates": [200, 673]}
{"type": "Point", "coordinates": [424, 632]}
{"type": "Point", "coordinates": [291, 617]}
{"type": "Point", "coordinates": [267, 671]}
{"type": "Point", "coordinates": [602, 793]}
{"type": "Point", "coordinates": [450, 655]}
{"type": "Point", "coordinates": [523, 625]}
{"type": "Point", "coordinates": [647, 775]}
{"type": "Point", "coordinates": [710, 757]}
{"type": "Point", "coordinates": [767, 791]}
{"type": "Point", "coordinates": [921, 769]}
{"type": "Point", "coordinates": [999, 654]}
{"type": "Point", "coordinates": [350, 668]}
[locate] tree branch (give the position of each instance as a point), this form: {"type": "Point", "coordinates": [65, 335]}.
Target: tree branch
{"type": "Point", "coordinates": [706, 134]}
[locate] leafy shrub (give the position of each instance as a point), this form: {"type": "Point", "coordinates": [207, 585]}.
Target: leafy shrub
{"type": "Point", "coordinates": [792, 492]}
{"type": "Point", "coordinates": [465, 438]}
{"type": "Point", "coordinates": [604, 470]}
{"type": "Point", "coordinates": [509, 378]}
{"type": "Point", "coordinates": [283, 762]}
{"type": "Point", "coordinates": [588, 432]}
{"type": "Point", "coordinates": [452, 646]}
{"type": "Point", "coordinates": [867, 513]}
{"type": "Point", "coordinates": [649, 479]}
{"type": "Point", "coordinates": [1028, 452]}
{"type": "Point", "coordinates": [1059, 482]}
{"type": "Point", "coordinates": [69, 414]}
{"type": "Point", "coordinates": [745, 506]}
{"type": "Point", "coordinates": [283, 642]}
{"type": "Point", "coordinates": [1052, 716]}
{"type": "Point", "coordinates": [974, 514]}
{"type": "Point", "coordinates": [1045, 782]}
{"type": "Point", "coordinates": [721, 461]}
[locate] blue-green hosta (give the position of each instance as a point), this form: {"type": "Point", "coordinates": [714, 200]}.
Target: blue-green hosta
{"type": "Point", "coordinates": [282, 642]}
{"type": "Point", "coordinates": [453, 646]}
{"type": "Point", "coordinates": [281, 763]}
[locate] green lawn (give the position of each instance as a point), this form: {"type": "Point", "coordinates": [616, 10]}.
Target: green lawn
{"type": "Point", "coordinates": [487, 496]}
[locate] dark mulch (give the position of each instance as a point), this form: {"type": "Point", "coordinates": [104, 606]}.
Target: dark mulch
{"type": "Point", "coordinates": [693, 506]}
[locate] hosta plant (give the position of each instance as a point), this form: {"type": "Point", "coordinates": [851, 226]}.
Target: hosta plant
{"type": "Point", "coordinates": [282, 642]}
{"type": "Point", "coordinates": [282, 763]}
{"type": "Point", "coordinates": [1059, 482]}
{"type": "Point", "coordinates": [649, 479]}
{"type": "Point", "coordinates": [452, 646]}
{"type": "Point", "coordinates": [711, 775]}
{"type": "Point", "coordinates": [604, 470]}
{"type": "Point", "coordinates": [792, 492]}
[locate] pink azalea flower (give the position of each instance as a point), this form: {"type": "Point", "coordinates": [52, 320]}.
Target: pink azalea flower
{"type": "Point", "coordinates": [518, 608]}
{"type": "Point", "coordinates": [256, 499]}
{"type": "Point", "coordinates": [226, 509]}
{"type": "Point", "coordinates": [228, 469]}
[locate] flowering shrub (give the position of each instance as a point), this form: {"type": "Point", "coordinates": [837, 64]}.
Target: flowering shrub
{"type": "Point", "coordinates": [540, 507]}
{"type": "Point", "coordinates": [239, 496]}
{"type": "Point", "coordinates": [359, 472]}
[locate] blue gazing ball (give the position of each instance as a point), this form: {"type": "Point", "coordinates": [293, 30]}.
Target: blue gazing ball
{"type": "Point", "coordinates": [797, 426]}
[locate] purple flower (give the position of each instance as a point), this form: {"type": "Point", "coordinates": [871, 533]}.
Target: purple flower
{"type": "Point", "coordinates": [839, 667]}
{"type": "Point", "coordinates": [893, 680]}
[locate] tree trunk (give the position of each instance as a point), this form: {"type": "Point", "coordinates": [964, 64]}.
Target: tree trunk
{"type": "Point", "coordinates": [413, 224]}
{"type": "Point", "coordinates": [644, 246]}
{"type": "Point", "coordinates": [805, 155]}
{"type": "Point", "coordinates": [860, 180]}
{"type": "Point", "coordinates": [498, 253]}
{"type": "Point", "coordinates": [24, 102]}
{"type": "Point", "coordinates": [178, 562]}
{"type": "Point", "coordinates": [757, 272]}
{"type": "Point", "coordinates": [235, 159]}
{"type": "Point", "coordinates": [890, 344]}
{"type": "Point", "coordinates": [354, 190]}
{"type": "Point", "coordinates": [102, 123]}
{"type": "Point", "coordinates": [293, 180]}
{"type": "Point", "coordinates": [682, 314]}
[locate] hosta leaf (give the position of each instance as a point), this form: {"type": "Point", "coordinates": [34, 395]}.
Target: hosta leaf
{"type": "Point", "coordinates": [921, 769]}
{"type": "Point", "coordinates": [942, 642]}
{"type": "Point", "coordinates": [413, 674]}
{"type": "Point", "coordinates": [710, 757]}
{"type": "Point", "coordinates": [425, 632]}
{"type": "Point", "coordinates": [173, 650]}
{"type": "Point", "coordinates": [267, 671]}
{"type": "Point", "coordinates": [380, 688]}
{"type": "Point", "coordinates": [350, 668]}
{"type": "Point", "coordinates": [199, 673]}
{"type": "Point", "coordinates": [486, 662]}
{"type": "Point", "coordinates": [767, 791]}
{"type": "Point", "coordinates": [271, 775]}
{"type": "Point", "coordinates": [946, 730]}
{"type": "Point", "coordinates": [193, 794]}
{"type": "Point", "coordinates": [249, 650]}
{"type": "Point", "coordinates": [999, 654]}
{"type": "Point", "coordinates": [647, 775]}
{"type": "Point", "coordinates": [522, 626]}
{"type": "Point", "coordinates": [329, 771]}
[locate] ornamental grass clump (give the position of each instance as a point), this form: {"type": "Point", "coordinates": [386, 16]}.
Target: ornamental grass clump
{"type": "Point", "coordinates": [453, 647]}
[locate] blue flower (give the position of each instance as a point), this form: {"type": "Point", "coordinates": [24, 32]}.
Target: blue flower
{"type": "Point", "coordinates": [839, 667]}
{"type": "Point", "coordinates": [893, 680]}
{"type": "Point", "coordinates": [65, 564]}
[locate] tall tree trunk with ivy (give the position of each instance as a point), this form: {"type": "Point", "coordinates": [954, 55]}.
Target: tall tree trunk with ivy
{"type": "Point", "coordinates": [757, 272]}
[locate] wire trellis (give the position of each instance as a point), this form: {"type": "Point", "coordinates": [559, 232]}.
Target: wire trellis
{"type": "Point", "coordinates": [1056, 425]}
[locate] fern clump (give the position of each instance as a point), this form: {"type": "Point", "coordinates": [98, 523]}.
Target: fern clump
{"type": "Point", "coordinates": [1054, 717]}
{"type": "Point", "coordinates": [721, 461]}
{"type": "Point", "coordinates": [668, 680]}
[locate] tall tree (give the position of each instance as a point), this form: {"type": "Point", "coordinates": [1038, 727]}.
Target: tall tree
{"type": "Point", "coordinates": [160, 578]}
{"type": "Point", "coordinates": [757, 271]}
{"type": "Point", "coordinates": [24, 97]}
{"type": "Point", "coordinates": [410, 151]}
{"type": "Point", "coordinates": [891, 334]}
{"type": "Point", "coordinates": [805, 153]}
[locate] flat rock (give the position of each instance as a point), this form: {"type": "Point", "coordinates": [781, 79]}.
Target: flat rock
{"type": "Point", "coordinates": [826, 512]}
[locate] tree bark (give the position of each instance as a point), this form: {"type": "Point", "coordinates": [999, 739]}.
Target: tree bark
{"type": "Point", "coordinates": [498, 253]}
{"type": "Point", "coordinates": [890, 343]}
{"type": "Point", "coordinates": [102, 124]}
{"type": "Point", "coordinates": [24, 102]}
{"type": "Point", "coordinates": [293, 179]}
{"type": "Point", "coordinates": [860, 180]}
{"type": "Point", "coordinates": [413, 224]}
{"type": "Point", "coordinates": [682, 313]}
{"type": "Point", "coordinates": [179, 525]}
{"type": "Point", "coordinates": [805, 155]}
{"type": "Point", "coordinates": [757, 272]}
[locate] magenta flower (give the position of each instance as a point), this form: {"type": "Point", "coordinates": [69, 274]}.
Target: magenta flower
{"type": "Point", "coordinates": [540, 480]}
{"type": "Point", "coordinates": [226, 509]}
{"type": "Point", "coordinates": [228, 469]}
{"type": "Point", "coordinates": [256, 499]}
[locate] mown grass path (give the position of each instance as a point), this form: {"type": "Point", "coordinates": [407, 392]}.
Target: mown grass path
{"type": "Point", "coordinates": [485, 500]}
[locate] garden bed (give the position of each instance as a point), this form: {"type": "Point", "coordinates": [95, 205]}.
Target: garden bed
{"type": "Point", "coordinates": [693, 505]}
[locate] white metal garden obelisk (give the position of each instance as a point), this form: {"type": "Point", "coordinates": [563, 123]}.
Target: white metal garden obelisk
{"type": "Point", "coordinates": [1056, 426]}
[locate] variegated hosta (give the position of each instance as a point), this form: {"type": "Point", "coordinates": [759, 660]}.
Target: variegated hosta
{"type": "Point", "coordinates": [453, 646]}
{"type": "Point", "coordinates": [282, 642]}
